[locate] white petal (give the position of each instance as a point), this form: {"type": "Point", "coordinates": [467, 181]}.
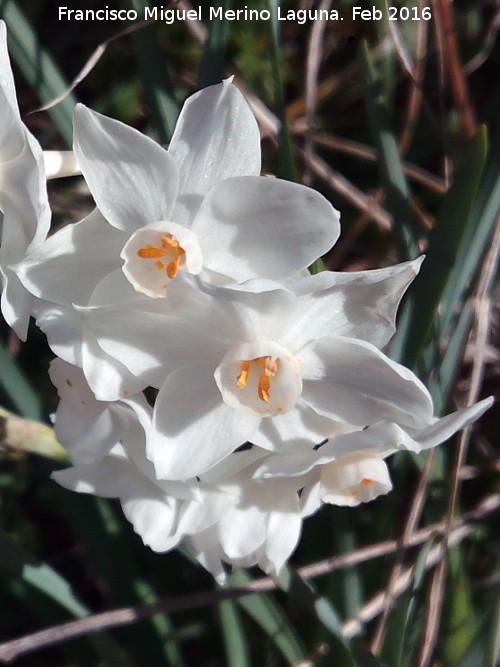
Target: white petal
{"type": "Point", "coordinates": [6, 78]}
{"type": "Point", "coordinates": [285, 525]}
{"type": "Point", "coordinates": [444, 428]}
{"type": "Point", "coordinates": [310, 499]}
{"type": "Point", "coordinates": [83, 253]}
{"type": "Point", "coordinates": [153, 517]}
{"type": "Point", "coordinates": [354, 382]}
{"type": "Point", "coordinates": [242, 530]}
{"type": "Point", "coordinates": [108, 378]}
{"type": "Point", "coordinates": [63, 327]}
{"type": "Point", "coordinates": [361, 304]}
{"type": "Point", "coordinates": [133, 180]}
{"type": "Point", "coordinates": [86, 427]}
{"type": "Point", "coordinates": [264, 227]}
{"type": "Point", "coordinates": [299, 428]}
{"type": "Point", "coordinates": [106, 478]}
{"type": "Point", "coordinates": [194, 428]}
{"type": "Point", "coordinates": [216, 137]}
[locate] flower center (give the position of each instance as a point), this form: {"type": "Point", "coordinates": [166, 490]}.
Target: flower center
{"type": "Point", "coordinates": [270, 366]}
{"type": "Point", "coordinates": [155, 254]}
{"type": "Point", "coordinates": [262, 378]}
{"type": "Point", "coordinates": [170, 250]}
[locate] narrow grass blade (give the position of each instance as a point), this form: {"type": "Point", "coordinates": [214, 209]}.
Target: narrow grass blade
{"type": "Point", "coordinates": [461, 623]}
{"type": "Point", "coordinates": [442, 382]}
{"type": "Point", "coordinates": [492, 656]}
{"type": "Point", "coordinates": [38, 68]}
{"type": "Point", "coordinates": [16, 389]}
{"type": "Point", "coordinates": [444, 250]}
{"type": "Point", "coordinates": [306, 595]}
{"type": "Point", "coordinates": [155, 78]}
{"type": "Point", "coordinates": [287, 168]}
{"type": "Point", "coordinates": [164, 627]}
{"type": "Point", "coordinates": [482, 222]}
{"type": "Point", "coordinates": [235, 641]}
{"type": "Point", "coordinates": [16, 562]}
{"type": "Point", "coordinates": [212, 63]}
{"type": "Point", "coordinates": [391, 168]}
{"type": "Point", "coordinates": [272, 619]}
{"type": "Point", "coordinates": [399, 644]}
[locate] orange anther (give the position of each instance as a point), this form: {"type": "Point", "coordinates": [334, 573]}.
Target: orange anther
{"type": "Point", "coordinates": [243, 376]}
{"type": "Point", "coordinates": [264, 387]}
{"type": "Point", "coordinates": [173, 267]}
{"type": "Point", "coordinates": [366, 481]}
{"type": "Point", "coordinates": [150, 252]}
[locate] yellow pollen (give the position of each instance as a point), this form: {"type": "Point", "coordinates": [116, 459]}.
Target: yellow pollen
{"type": "Point", "coordinates": [169, 241]}
{"type": "Point", "coordinates": [366, 481]}
{"type": "Point", "coordinates": [173, 267]}
{"type": "Point", "coordinates": [243, 376]}
{"type": "Point", "coordinates": [270, 366]}
{"type": "Point", "coordinates": [150, 252]}
{"type": "Point", "coordinates": [169, 245]}
{"type": "Point", "coordinates": [264, 387]}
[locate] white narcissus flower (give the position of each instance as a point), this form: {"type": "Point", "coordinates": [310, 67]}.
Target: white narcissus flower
{"type": "Point", "coordinates": [200, 207]}
{"type": "Point", "coordinates": [225, 517]}
{"type": "Point", "coordinates": [276, 367]}
{"type": "Point", "coordinates": [24, 210]}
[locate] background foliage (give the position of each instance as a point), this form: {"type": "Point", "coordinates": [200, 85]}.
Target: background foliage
{"type": "Point", "coordinates": [397, 124]}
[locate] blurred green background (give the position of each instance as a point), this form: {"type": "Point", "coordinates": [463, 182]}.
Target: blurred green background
{"type": "Point", "coordinates": [397, 124]}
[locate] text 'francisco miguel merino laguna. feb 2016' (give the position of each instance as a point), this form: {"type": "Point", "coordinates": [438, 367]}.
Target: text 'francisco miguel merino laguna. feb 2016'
{"type": "Point", "coordinates": [300, 16]}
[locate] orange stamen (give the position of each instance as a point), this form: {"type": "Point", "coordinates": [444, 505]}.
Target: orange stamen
{"type": "Point", "coordinates": [173, 267]}
{"type": "Point", "coordinates": [366, 481]}
{"type": "Point", "coordinates": [264, 387]}
{"type": "Point", "coordinates": [243, 376]}
{"type": "Point", "coordinates": [150, 252]}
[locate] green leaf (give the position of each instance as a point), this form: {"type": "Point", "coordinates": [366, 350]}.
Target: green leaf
{"type": "Point", "coordinates": [235, 640]}
{"type": "Point", "coordinates": [287, 167]}
{"type": "Point", "coordinates": [212, 64]}
{"type": "Point", "coordinates": [38, 68]}
{"type": "Point", "coordinates": [16, 388]}
{"type": "Point", "coordinates": [304, 593]}
{"type": "Point", "coordinates": [391, 168]}
{"type": "Point", "coordinates": [155, 78]}
{"type": "Point", "coordinates": [16, 562]}
{"type": "Point", "coordinates": [272, 619]}
{"type": "Point", "coordinates": [460, 621]}
{"type": "Point", "coordinates": [444, 252]}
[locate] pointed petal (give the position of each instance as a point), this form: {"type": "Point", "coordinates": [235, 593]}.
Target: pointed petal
{"type": "Point", "coordinates": [216, 137]}
{"type": "Point", "coordinates": [444, 428]}
{"type": "Point", "coordinates": [83, 253]}
{"type": "Point", "coordinates": [361, 304]}
{"type": "Point", "coordinates": [133, 180]}
{"type": "Point", "coordinates": [252, 227]}
{"type": "Point", "coordinates": [352, 381]}
{"type": "Point", "coordinates": [194, 428]}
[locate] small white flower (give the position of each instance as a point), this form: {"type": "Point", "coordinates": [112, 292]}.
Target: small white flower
{"type": "Point", "coordinates": [354, 478]}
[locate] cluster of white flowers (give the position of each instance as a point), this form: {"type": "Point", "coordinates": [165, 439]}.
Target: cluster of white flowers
{"type": "Point", "coordinates": [205, 378]}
